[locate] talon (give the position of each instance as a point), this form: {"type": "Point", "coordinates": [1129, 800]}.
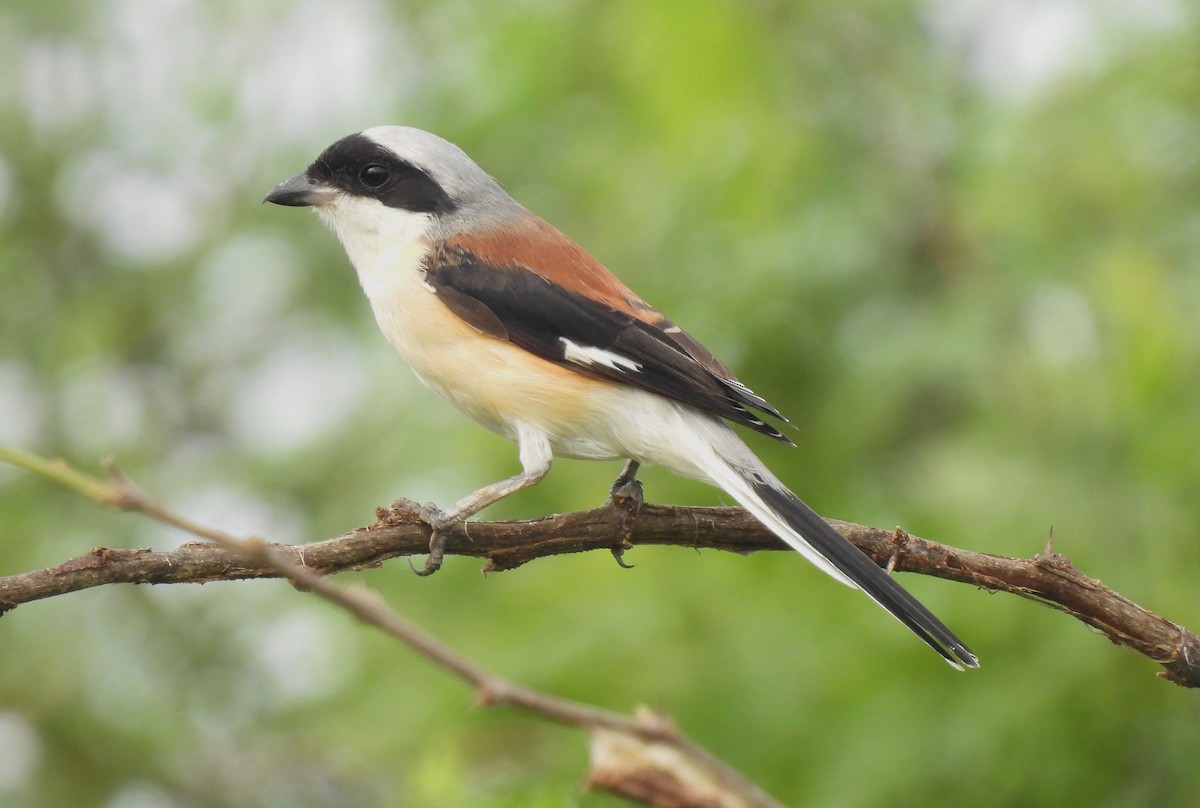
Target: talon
{"type": "Point", "coordinates": [618, 554]}
{"type": "Point", "coordinates": [430, 567]}
{"type": "Point", "coordinates": [437, 552]}
{"type": "Point", "coordinates": [627, 485]}
{"type": "Point", "coordinates": [438, 521]}
{"type": "Point", "coordinates": [630, 490]}
{"type": "Point", "coordinates": [432, 564]}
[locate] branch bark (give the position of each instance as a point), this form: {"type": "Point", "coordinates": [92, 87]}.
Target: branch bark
{"type": "Point", "coordinates": [1047, 578]}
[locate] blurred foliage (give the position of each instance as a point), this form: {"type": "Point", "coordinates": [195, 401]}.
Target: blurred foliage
{"type": "Point", "coordinates": [958, 242]}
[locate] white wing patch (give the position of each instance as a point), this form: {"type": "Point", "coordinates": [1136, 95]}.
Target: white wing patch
{"type": "Point", "coordinates": [587, 355]}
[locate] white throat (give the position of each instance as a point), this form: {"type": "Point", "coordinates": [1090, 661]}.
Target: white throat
{"type": "Point", "coordinates": [387, 246]}
{"type": "Point", "coordinates": [368, 228]}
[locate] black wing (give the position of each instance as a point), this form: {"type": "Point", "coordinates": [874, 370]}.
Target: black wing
{"type": "Point", "coordinates": [518, 305]}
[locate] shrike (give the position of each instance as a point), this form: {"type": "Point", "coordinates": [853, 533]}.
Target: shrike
{"type": "Point", "coordinates": [513, 323]}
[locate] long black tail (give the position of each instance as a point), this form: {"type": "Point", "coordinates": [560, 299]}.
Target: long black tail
{"type": "Point", "coordinates": [864, 574]}
{"type": "Point", "coordinates": [735, 468]}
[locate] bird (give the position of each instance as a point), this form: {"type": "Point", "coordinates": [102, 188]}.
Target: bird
{"type": "Point", "coordinates": [512, 322]}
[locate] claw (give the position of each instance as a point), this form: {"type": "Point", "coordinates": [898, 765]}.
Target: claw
{"type": "Point", "coordinates": [438, 521]}
{"type": "Point", "coordinates": [627, 485]}
{"type": "Point", "coordinates": [433, 562]}
{"type": "Point", "coordinates": [628, 490]}
{"type": "Point", "coordinates": [619, 556]}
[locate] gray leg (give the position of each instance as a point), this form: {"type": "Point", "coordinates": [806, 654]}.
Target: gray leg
{"type": "Point", "coordinates": [535, 463]}
{"type": "Point", "coordinates": [626, 484]}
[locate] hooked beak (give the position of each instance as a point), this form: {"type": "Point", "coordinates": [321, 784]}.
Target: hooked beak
{"type": "Point", "coordinates": [301, 191]}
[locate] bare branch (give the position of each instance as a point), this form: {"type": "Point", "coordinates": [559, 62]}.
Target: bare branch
{"type": "Point", "coordinates": [1048, 578]}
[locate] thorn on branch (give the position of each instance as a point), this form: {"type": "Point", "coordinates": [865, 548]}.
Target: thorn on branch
{"type": "Point", "coordinates": [899, 542]}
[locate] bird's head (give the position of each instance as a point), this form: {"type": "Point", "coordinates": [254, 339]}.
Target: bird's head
{"type": "Point", "coordinates": [395, 181]}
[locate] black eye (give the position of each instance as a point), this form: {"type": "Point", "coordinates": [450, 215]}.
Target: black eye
{"type": "Point", "coordinates": [374, 175]}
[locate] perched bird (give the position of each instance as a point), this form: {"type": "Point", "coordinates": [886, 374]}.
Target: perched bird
{"type": "Point", "coordinates": [513, 323]}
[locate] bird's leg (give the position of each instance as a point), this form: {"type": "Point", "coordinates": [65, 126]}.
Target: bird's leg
{"type": "Point", "coordinates": [627, 485]}
{"type": "Point", "coordinates": [535, 463]}
{"type": "Point", "coordinates": [626, 496]}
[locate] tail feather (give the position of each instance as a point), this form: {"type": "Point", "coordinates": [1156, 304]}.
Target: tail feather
{"type": "Point", "coordinates": [759, 492]}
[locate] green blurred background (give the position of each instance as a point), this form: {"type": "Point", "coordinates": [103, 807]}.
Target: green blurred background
{"type": "Point", "coordinates": [958, 242]}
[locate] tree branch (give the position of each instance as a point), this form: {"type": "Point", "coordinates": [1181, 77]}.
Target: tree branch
{"type": "Point", "coordinates": [1048, 578]}
{"type": "Point", "coordinates": [645, 758]}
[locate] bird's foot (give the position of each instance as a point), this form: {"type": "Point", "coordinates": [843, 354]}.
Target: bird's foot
{"type": "Point", "coordinates": [626, 498]}
{"type": "Point", "coordinates": [626, 490]}
{"type": "Point", "coordinates": [440, 524]}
